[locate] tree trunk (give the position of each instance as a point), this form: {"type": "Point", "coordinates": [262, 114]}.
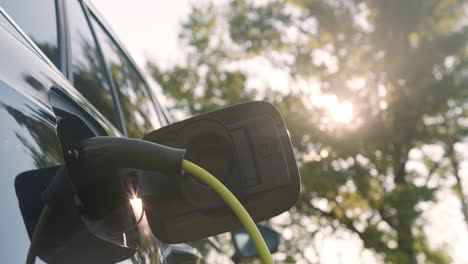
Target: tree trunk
{"type": "Point", "coordinates": [404, 225]}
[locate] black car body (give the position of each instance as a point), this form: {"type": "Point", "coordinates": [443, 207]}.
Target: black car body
{"type": "Point", "coordinates": [62, 74]}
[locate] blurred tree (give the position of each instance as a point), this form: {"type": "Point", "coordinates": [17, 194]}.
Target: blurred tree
{"type": "Point", "coordinates": [369, 82]}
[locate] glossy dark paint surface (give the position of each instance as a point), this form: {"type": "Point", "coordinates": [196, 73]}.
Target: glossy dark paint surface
{"type": "Point", "coordinates": [28, 138]}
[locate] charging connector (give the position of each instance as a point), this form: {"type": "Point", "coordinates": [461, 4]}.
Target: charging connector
{"type": "Point", "coordinates": [92, 172]}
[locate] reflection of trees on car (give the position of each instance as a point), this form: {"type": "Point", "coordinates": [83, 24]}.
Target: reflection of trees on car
{"type": "Point", "coordinates": [36, 133]}
{"type": "Point", "coordinates": [89, 78]}
{"type": "Point", "coordinates": [138, 110]}
{"type": "Point", "coordinates": [51, 51]}
{"type": "Point", "coordinates": [135, 100]}
{"type": "Point", "coordinates": [401, 65]}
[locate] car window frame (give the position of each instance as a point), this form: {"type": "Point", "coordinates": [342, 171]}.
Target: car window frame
{"type": "Point", "coordinates": [64, 51]}
{"type": "Point", "coordinates": [92, 11]}
{"type": "Point", "coordinates": [68, 69]}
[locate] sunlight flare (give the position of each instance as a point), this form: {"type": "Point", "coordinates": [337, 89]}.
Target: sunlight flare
{"type": "Point", "coordinates": [137, 206]}
{"type": "Point", "coordinates": [338, 111]}
{"type": "Point", "coordinates": [342, 112]}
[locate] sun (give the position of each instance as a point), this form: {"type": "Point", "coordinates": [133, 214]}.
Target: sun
{"type": "Point", "coordinates": [337, 111]}
{"type": "Point", "coordinates": [341, 112]}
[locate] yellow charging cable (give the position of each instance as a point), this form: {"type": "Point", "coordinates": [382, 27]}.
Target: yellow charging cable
{"type": "Point", "coordinates": [236, 207]}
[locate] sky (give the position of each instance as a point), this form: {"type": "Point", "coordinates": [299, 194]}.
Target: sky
{"type": "Point", "coordinates": [149, 29]}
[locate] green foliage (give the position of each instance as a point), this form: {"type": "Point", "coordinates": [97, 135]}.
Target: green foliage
{"type": "Point", "coordinates": [410, 58]}
{"type": "Point", "coordinates": [256, 28]}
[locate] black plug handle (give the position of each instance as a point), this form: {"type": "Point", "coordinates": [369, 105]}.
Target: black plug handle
{"type": "Point", "coordinates": [120, 152]}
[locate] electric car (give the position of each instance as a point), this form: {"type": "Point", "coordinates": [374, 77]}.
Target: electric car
{"type": "Point", "coordinates": [69, 91]}
{"type": "Point", "coordinates": [58, 59]}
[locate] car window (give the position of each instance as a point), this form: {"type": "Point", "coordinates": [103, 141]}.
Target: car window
{"type": "Point", "coordinates": [138, 109]}
{"type": "Point", "coordinates": [87, 68]}
{"type": "Point", "coordinates": [38, 19]}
